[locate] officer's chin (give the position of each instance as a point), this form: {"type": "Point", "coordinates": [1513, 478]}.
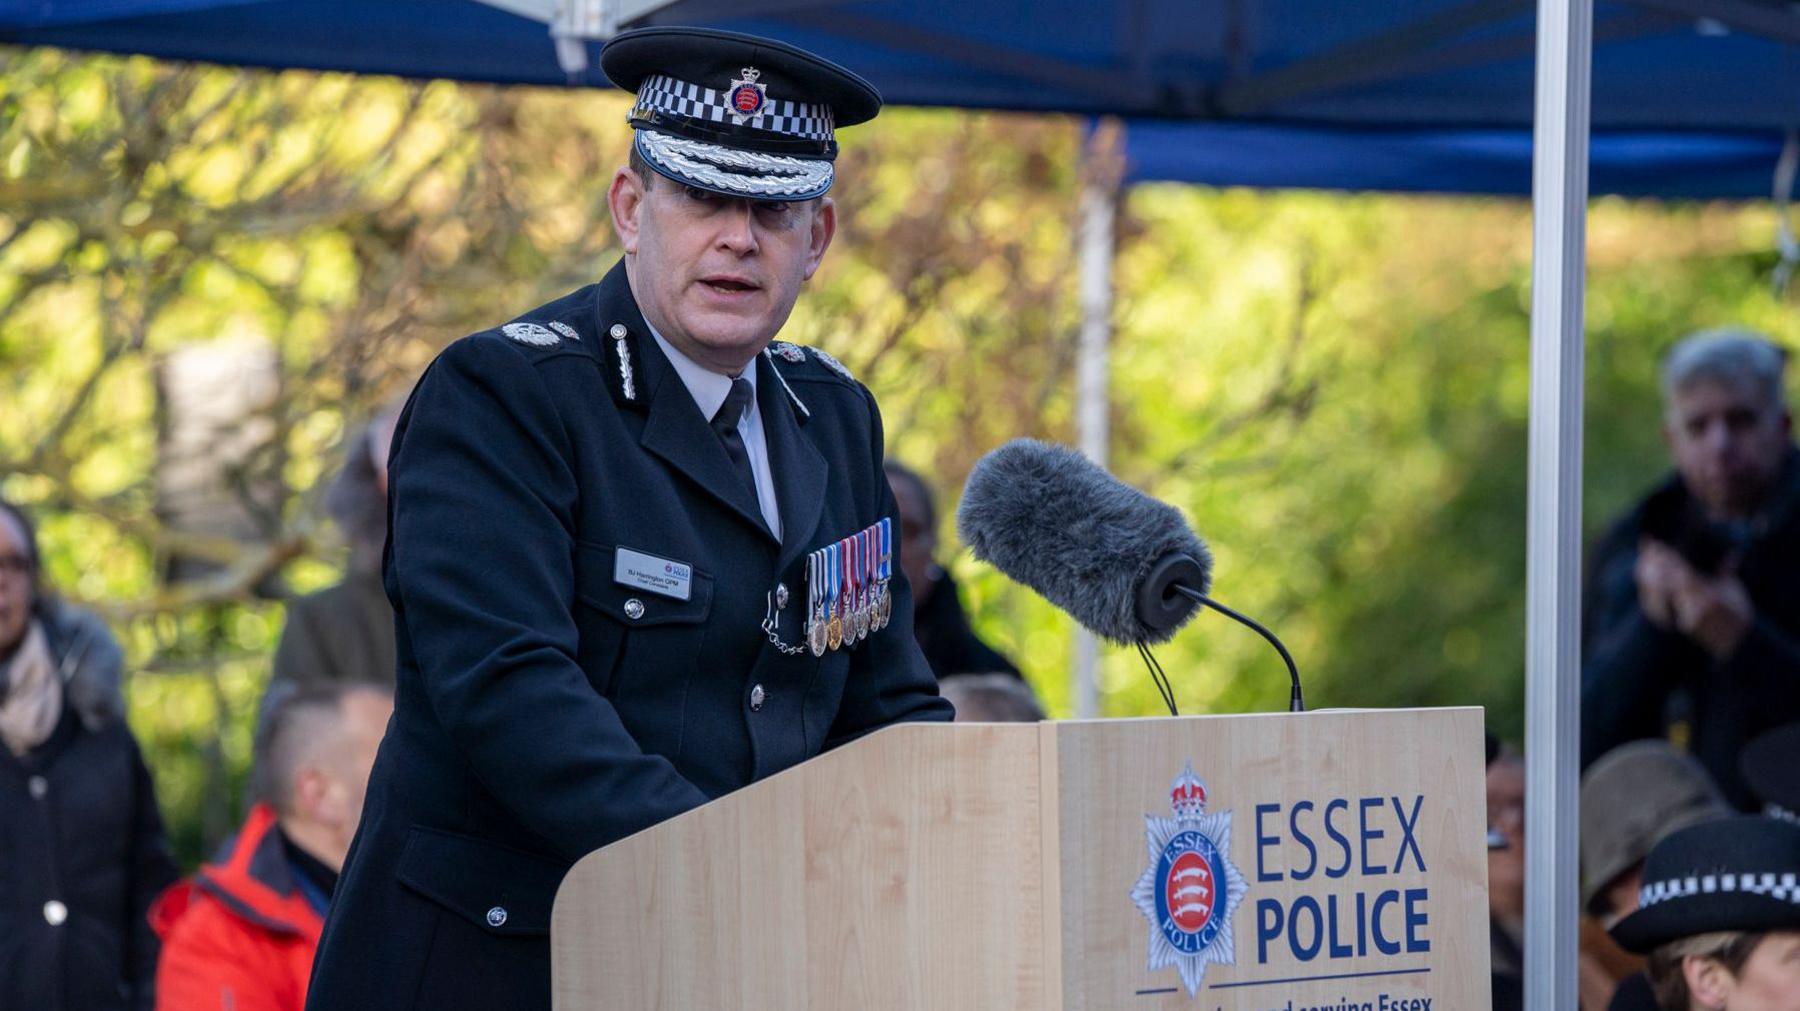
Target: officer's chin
{"type": "Point", "coordinates": [741, 339]}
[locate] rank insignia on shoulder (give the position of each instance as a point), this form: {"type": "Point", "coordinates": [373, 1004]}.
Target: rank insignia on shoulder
{"type": "Point", "coordinates": [788, 352]}
{"type": "Point", "coordinates": [564, 329]}
{"type": "Point", "coordinates": [531, 334]}
{"type": "Point", "coordinates": [833, 364]}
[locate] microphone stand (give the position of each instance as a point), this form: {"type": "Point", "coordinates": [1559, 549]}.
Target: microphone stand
{"type": "Point", "coordinates": [1295, 703]}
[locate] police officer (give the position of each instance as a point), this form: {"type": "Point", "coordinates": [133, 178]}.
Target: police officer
{"type": "Point", "coordinates": [640, 552]}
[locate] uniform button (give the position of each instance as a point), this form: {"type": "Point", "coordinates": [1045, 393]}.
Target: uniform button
{"type": "Point", "coordinates": [634, 609]}
{"type": "Point", "coordinates": [781, 596]}
{"type": "Point", "coordinates": [617, 331]}
{"type": "Point", "coordinates": [497, 916]}
{"type": "Point", "coordinates": [55, 913]}
{"type": "Point", "coordinates": [756, 698]}
{"type": "Point", "coordinates": [39, 786]}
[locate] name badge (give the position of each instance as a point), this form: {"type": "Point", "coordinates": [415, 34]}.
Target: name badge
{"type": "Point", "coordinates": [652, 574]}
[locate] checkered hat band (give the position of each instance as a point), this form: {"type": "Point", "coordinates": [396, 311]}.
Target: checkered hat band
{"type": "Point", "coordinates": [1775, 886]}
{"type": "Point", "coordinates": [682, 98]}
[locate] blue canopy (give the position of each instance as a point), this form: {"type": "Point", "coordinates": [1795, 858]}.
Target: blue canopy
{"type": "Point", "coordinates": [1629, 163]}
{"type": "Point", "coordinates": [1690, 97]}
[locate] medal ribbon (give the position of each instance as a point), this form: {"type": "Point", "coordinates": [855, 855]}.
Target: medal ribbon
{"type": "Point", "coordinates": [812, 588]}
{"type": "Point", "coordinates": [832, 576]}
{"type": "Point", "coordinates": [886, 534]}
{"type": "Point", "coordinates": [851, 606]}
{"type": "Point", "coordinates": [868, 569]}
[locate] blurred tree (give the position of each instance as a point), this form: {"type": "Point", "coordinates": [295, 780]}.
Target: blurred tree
{"type": "Point", "coordinates": [159, 220]}
{"type": "Point", "coordinates": [1332, 387]}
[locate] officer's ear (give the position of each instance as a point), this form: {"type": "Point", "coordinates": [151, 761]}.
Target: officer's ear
{"type": "Point", "coordinates": [625, 199]}
{"type": "Point", "coordinates": [1708, 981]}
{"type": "Point", "coordinates": [824, 226]}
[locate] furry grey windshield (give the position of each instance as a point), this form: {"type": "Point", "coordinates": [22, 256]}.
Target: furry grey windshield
{"type": "Point", "coordinates": [1048, 517]}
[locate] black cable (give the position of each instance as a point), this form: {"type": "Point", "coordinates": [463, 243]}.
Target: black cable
{"type": "Point", "coordinates": [1295, 703]}
{"type": "Point", "coordinates": [1160, 677]}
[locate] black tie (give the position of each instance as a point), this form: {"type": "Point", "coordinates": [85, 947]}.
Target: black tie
{"type": "Point", "coordinates": [726, 424]}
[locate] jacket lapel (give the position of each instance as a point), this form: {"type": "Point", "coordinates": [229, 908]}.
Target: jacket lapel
{"type": "Point", "coordinates": [675, 431]}
{"type": "Point", "coordinates": [799, 471]}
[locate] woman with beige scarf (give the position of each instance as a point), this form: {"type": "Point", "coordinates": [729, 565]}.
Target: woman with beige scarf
{"type": "Point", "coordinates": [82, 852]}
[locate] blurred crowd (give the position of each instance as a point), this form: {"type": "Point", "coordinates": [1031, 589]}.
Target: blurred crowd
{"type": "Point", "coordinates": [1690, 845]}
{"type": "Point", "coordinates": [1690, 840]}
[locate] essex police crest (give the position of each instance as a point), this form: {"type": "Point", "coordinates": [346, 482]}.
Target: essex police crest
{"type": "Point", "coordinates": [1190, 889]}
{"type": "Point", "coordinates": [746, 97]}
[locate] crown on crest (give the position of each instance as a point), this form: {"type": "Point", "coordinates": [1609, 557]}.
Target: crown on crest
{"type": "Point", "coordinates": [749, 75]}
{"type": "Point", "coordinates": [1188, 794]}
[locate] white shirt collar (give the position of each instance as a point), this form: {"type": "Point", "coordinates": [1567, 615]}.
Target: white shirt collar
{"type": "Point", "coordinates": [708, 388]}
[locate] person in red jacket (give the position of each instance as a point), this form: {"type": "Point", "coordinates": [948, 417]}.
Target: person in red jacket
{"type": "Point", "coordinates": [240, 935]}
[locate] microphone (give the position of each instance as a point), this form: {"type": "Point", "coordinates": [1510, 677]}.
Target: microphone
{"type": "Point", "coordinates": [1124, 565]}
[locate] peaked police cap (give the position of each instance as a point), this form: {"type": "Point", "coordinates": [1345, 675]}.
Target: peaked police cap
{"type": "Point", "coordinates": [735, 114]}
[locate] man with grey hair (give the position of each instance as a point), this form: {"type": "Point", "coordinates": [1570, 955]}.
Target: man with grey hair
{"type": "Point", "coordinates": [1691, 627]}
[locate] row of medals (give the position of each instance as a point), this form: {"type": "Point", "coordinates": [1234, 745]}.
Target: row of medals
{"type": "Point", "coordinates": [860, 565]}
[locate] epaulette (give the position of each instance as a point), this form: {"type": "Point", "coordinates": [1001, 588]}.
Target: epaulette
{"type": "Point", "coordinates": [797, 354]}
{"type": "Point", "coordinates": [539, 335]}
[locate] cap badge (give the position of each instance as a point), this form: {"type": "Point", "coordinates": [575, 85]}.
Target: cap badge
{"type": "Point", "coordinates": [747, 97]}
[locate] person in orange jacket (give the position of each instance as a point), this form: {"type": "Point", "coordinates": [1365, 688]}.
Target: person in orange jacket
{"type": "Point", "coordinates": [240, 935]}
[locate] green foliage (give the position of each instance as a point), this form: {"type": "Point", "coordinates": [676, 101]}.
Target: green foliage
{"type": "Point", "coordinates": [1333, 388]}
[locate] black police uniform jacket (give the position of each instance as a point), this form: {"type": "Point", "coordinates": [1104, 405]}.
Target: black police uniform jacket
{"type": "Point", "coordinates": [543, 710]}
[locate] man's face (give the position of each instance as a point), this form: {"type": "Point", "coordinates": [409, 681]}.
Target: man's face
{"type": "Point", "coordinates": [15, 583]}
{"type": "Point", "coordinates": [716, 276]}
{"type": "Point", "coordinates": [1727, 444]}
{"type": "Point", "coordinates": [344, 771]}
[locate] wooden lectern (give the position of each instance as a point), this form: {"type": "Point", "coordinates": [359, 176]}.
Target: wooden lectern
{"type": "Point", "coordinates": [1317, 860]}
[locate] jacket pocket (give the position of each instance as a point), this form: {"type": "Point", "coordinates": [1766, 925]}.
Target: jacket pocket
{"type": "Point", "coordinates": [595, 587]}
{"type": "Point", "coordinates": [503, 890]}
{"type": "Point", "coordinates": [649, 647]}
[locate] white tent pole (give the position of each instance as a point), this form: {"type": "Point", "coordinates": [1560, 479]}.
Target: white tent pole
{"type": "Point", "coordinates": [1093, 370]}
{"type": "Point", "coordinates": [1553, 534]}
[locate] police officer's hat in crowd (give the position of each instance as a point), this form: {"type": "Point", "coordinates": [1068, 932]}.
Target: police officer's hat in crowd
{"type": "Point", "coordinates": [1771, 766]}
{"type": "Point", "coordinates": [736, 114]}
{"type": "Point", "coordinates": [1735, 874]}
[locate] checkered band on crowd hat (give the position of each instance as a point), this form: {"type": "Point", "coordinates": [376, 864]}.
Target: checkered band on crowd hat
{"type": "Point", "coordinates": [1734, 874]}
{"type": "Point", "coordinates": [736, 114]}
